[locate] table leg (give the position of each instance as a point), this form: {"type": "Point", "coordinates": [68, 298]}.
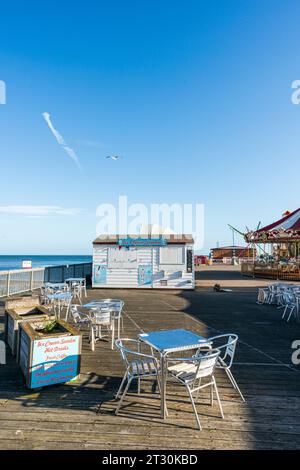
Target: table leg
{"type": "Point", "coordinates": [163, 386]}
{"type": "Point", "coordinates": [119, 326]}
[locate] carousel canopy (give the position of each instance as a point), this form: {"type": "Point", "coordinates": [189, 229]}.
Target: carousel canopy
{"type": "Point", "coordinates": [284, 230]}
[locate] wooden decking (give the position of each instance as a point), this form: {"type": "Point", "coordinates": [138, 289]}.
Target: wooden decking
{"type": "Point", "coordinates": [65, 416]}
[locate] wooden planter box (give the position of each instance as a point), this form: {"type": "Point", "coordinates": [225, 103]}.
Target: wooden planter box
{"type": "Point", "coordinates": [49, 358]}
{"type": "Point", "coordinates": [21, 309]}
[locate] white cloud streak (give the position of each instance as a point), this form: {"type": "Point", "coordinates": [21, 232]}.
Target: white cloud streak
{"type": "Point", "coordinates": [60, 140]}
{"type": "Point", "coordinates": [39, 211]}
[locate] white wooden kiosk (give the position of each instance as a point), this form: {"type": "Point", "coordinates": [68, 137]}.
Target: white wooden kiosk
{"type": "Point", "coordinates": [144, 261]}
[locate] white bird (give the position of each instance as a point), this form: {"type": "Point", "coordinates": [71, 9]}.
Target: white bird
{"type": "Point", "coordinates": [114, 157]}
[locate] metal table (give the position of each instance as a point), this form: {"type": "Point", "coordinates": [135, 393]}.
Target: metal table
{"type": "Point", "coordinates": [166, 342]}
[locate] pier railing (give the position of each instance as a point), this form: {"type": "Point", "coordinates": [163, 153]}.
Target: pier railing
{"type": "Point", "coordinates": [18, 281]}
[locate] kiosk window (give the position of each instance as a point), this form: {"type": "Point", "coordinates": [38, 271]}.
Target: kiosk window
{"type": "Point", "coordinates": [171, 255]}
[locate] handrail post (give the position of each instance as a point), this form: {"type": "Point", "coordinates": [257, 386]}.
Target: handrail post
{"type": "Point", "coordinates": [31, 280]}
{"type": "Point", "coordinates": [8, 284]}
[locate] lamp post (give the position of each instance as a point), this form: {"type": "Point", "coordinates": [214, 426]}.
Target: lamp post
{"type": "Point", "coordinates": [233, 248]}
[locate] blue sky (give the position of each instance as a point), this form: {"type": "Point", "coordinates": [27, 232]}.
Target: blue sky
{"type": "Point", "coordinates": [195, 95]}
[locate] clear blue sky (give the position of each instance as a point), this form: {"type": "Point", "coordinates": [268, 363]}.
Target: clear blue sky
{"type": "Point", "coordinates": [196, 95]}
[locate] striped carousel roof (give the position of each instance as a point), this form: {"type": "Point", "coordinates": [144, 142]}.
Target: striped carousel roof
{"type": "Point", "coordinates": [285, 229]}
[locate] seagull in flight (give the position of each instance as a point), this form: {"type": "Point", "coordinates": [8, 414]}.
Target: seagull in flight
{"type": "Point", "coordinates": [114, 157]}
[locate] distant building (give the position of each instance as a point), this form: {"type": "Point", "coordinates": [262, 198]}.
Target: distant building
{"type": "Point", "coordinates": [224, 253]}
{"type": "Point", "coordinates": [200, 259]}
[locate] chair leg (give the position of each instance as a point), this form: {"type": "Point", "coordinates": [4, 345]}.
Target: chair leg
{"type": "Point", "coordinates": [123, 395]}
{"type": "Point", "coordinates": [93, 339]}
{"type": "Point", "coordinates": [284, 312]}
{"type": "Point", "coordinates": [119, 327]}
{"type": "Point", "coordinates": [235, 385]}
{"type": "Point", "coordinates": [121, 385]}
{"type": "Point", "coordinates": [194, 408]}
{"type": "Point", "coordinates": [199, 383]}
{"type": "Point", "coordinates": [218, 397]}
{"type": "Point", "coordinates": [112, 335]}
{"type": "Point", "coordinates": [291, 312]}
{"type": "Point", "coordinates": [211, 395]}
{"type": "Point", "coordinates": [67, 312]}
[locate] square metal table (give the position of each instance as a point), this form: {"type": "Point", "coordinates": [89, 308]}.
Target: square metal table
{"type": "Point", "coordinates": [166, 342]}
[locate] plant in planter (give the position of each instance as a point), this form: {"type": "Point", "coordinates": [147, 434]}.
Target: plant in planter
{"type": "Point", "coordinates": [48, 327]}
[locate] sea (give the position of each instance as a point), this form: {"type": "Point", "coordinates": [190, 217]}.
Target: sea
{"type": "Point", "coordinates": [8, 262]}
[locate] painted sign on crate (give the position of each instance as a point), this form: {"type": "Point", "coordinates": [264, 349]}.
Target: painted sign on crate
{"type": "Point", "coordinates": [100, 274]}
{"type": "Point", "coordinates": [55, 360]}
{"type": "Point", "coordinates": [144, 274]}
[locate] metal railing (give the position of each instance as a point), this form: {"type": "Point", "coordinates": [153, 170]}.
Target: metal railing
{"type": "Point", "coordinates": [18, 281]}
{"type": "Point", "coordinates": [63, 272]}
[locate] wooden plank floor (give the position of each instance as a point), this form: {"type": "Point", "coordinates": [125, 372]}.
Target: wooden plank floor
{"type": "Point", "coordinates": [65, 416]}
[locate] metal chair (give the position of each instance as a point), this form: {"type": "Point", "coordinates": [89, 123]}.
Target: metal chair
{"type": "Point", "coordinates": [263, 295]}
{"type": "Point", "coordinates": [226, 344]}
{"type": "Point", "coordinates": [191, 371]}
{"type": "Point", "coordinates": [44, 295]}
{"type": "Point", "coordinates": [138, 366]}
{"type": "Point", "coordinates": [65, 303]}
{"type": "Point", "coordinates": [290, 302]}
{"type": "Point", "coordinates": [76, 290]}
{"type": "Point", "coordinates": [116, 310]}
{"type": "Point", "coordinates": [79, 318]}
{"type": "Point", "coordinates": [101, 317]}
{"type": "Point", "coordinates": [272, 299]}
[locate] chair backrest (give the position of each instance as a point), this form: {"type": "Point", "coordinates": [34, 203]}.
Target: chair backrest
{"type": "Point", "coordinates": [117, 308]}
{"type": "Point", "coordinates": [74, 313]}
{"type": "Point", "coordinates": [101, 315]}
{"type": "Point", "coordinates": [205, 364]}
{"type": "Point", "coordinates": [76, 288]}
{"type": "Point", "coordinates": [127, 353]}
{"type": "Point", "coordinates": [77, 315]}
{"type": "Point", "coordinates": [119, 303]}
{"type": "Point", "coordinates": [262, 295]}
{"type": "Point", "coordinates": [226, 344]}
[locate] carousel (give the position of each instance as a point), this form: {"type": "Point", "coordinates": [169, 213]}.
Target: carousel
{"type": "Point", "coordinates": [278, 249]}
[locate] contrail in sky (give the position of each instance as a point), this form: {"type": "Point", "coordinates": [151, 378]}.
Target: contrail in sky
{"type": "Point", "coordinates": [60, 140]}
